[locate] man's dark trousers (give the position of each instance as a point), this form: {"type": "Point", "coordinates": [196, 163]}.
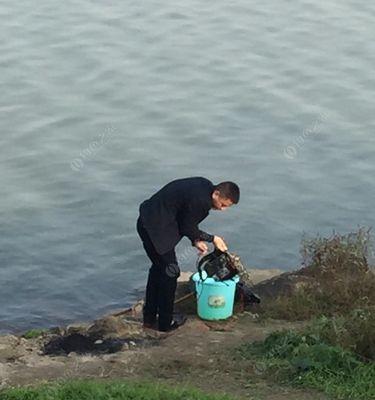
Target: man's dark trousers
{"type": "Point", "coordinates": [161, 283]}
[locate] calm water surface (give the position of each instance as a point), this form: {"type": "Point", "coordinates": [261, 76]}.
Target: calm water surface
{"type": "Point", "coordinates": [104, 102]}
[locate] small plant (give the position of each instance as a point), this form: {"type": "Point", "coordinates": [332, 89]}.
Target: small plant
{"type": "Point", "coordinates": [33, 333]}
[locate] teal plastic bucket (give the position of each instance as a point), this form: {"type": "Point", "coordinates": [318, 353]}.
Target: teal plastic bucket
{"type": "Point", "coordinates": [214, 298]}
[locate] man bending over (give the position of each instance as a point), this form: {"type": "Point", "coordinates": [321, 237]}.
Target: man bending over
{"type": "Point", "coordinates": [171, 213]}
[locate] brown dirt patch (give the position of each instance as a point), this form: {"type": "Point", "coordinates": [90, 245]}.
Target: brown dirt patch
{"type": "Point", "coordinates": [197, 354]}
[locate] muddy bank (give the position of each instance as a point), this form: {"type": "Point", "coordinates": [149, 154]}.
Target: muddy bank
{"type": "Point", "coordinates": [199, 353]}
{"type": "Point", "coordinates": [94, 348]}
{"type": "Point", "coordinates": [196, 354]}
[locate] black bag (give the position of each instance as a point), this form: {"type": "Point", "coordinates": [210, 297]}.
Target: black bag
{"type": "Point", "coordinates": [217, 265]}
{"type": "Point", "coordinates": [245, 293]}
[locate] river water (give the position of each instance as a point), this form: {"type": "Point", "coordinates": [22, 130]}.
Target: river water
{"type": "Point", "coordinates": [102, 103]}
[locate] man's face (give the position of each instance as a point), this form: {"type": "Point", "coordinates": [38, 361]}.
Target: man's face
{"type": "Point", "coordinates": [219, 202]}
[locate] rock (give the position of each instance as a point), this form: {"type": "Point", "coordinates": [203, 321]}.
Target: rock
{"type": "Point", "coordinates": [137, 309]}
{"type": "Point", "coordinates": [76, 328]}
{"type": "Point", "coordinates": [260, 275]}
{"type": "Point", "coordinates": [282, 285]}
{"type": "Point", "coordinates": [115, 327]}
{"type": "Point", "coordinates": [56, 330]}
{"type": "Point", "coordinates": [125, 346]}
{"type": "Point", "coordinates": [9, 354]}
{"type": "Point", "coordinates": [10, 349]}
{"type": "Point", "coordinates": [23, 341]}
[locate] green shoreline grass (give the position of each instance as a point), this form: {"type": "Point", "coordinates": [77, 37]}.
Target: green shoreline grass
{"type": "Point", "coordinates": [88, 389]}
{"type": "Point", "coordinates": [305, 359]}
{"type": "Point", "coordinates": [336, 351]}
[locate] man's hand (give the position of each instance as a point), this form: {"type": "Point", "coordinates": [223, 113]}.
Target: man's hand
{"type": "Point", "coordinates": [219, 243]}
{"type": "Point", "coordinates": [201, 246]}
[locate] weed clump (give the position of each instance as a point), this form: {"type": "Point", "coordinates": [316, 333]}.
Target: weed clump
{"type": "Point", "coordinates": [336, 279]}
{"type": "Point", "coordinates": [354, 332]}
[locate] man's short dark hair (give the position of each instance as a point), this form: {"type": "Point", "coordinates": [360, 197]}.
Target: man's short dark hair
{"type": "Point", "coordinates": [229, 190]}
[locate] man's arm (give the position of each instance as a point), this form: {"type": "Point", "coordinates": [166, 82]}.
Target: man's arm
{"type": "Point", "coordinates": [218, 243]}
{"type": "Point", "coordinates": [188, 225]}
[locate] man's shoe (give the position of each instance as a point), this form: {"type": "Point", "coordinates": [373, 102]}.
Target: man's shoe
{"type": "Point", "coordinates": [178, 320]}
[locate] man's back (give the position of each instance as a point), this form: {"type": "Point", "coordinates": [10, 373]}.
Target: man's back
{"type": "Point", "coordinates": [164, 212]}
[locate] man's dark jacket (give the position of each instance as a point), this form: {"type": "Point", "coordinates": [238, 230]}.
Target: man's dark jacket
{"type": "Point", "coordinates": [175, 211]}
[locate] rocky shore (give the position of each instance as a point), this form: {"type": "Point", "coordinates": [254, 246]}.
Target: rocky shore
{"type": "Point", "coordinates": [116, 345]}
